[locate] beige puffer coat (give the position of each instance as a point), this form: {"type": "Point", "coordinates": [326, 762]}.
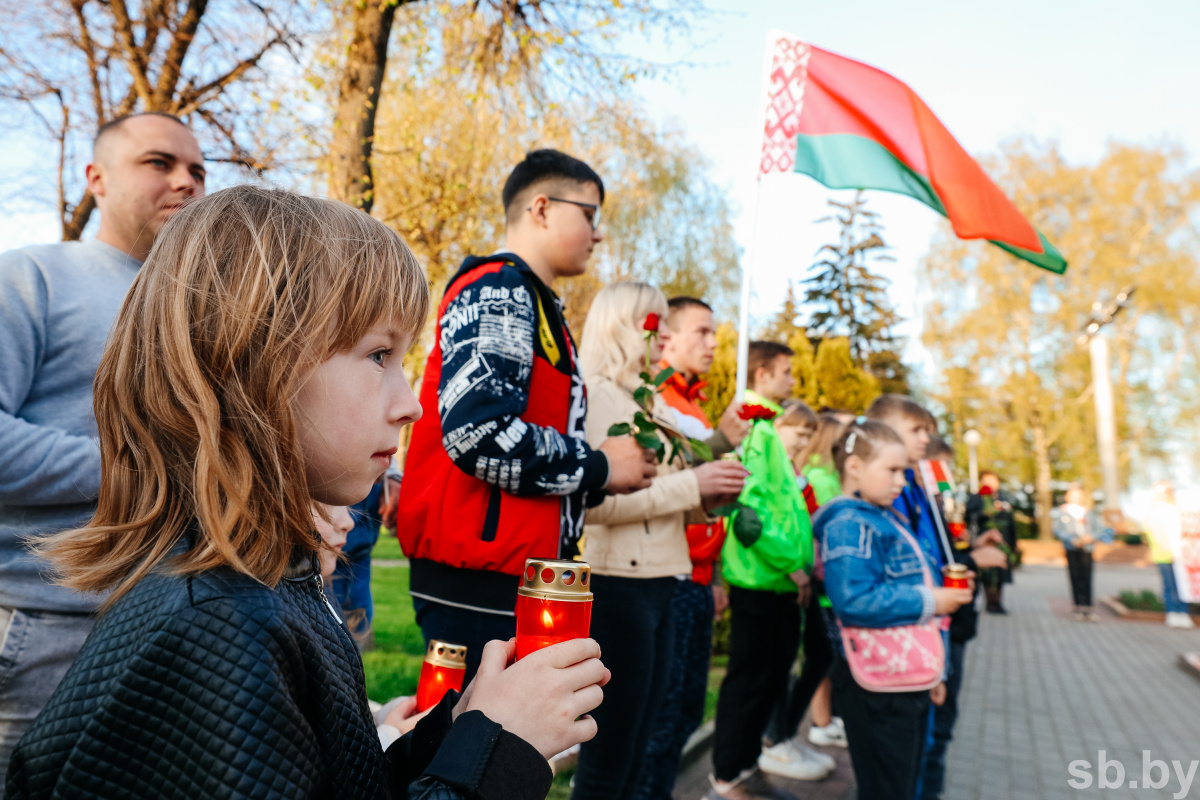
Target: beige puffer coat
{"type": "Point", "coordinates": [638, 535]}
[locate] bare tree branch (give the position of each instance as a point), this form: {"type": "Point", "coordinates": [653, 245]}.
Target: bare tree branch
{"type": "Point", "coordinates": [192, 98]}
{"type": "Point", "coordinates": [98, 60]}
{"type": "Point", "coordinates": [131, 54]}
{"type": "Point", "coordinates": [62, 158]}
{"type": "Point", "coordinates": [153, 19]}
{"type": "Point", "coordinates": [80, 214]}
{"type": "Point", "coordinates": [172, 66]}
{"type": "Point", "coordinates": [89, 51]}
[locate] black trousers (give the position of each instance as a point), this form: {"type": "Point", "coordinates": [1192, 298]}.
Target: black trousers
{"type": "Point", "coordinates": [886, 732]}
{"type": "Point", "coordinates": [818, 658]}
{"type": "Point", "coordinates": [631, 621]}
{"type": "Point", "coordinates": [1079, 568]}
{"type": "Point", "coordinates": [764, 637]}
{"type": "Point", "coordinates": [682, 707]}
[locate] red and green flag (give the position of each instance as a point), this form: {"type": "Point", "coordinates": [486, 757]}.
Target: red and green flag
{"type": "Point", "coordinates": [851, 126]}
{"type": "Point", "coordinates": [935, 477]}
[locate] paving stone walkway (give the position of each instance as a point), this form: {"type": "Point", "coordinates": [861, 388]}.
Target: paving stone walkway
{"type": "Point", "coordinates": [1042, 691]}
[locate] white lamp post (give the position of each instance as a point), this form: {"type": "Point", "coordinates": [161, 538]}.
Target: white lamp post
{"type": "Point", "coordinates": [1102, 393]}
{"type": "Point", "coordinates": [971, 439]}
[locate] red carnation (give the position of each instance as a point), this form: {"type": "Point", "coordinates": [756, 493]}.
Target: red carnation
{"type": "Point", "coordinates": [651, 323]}
{"type": "Point", "coordinates": [752, 412]}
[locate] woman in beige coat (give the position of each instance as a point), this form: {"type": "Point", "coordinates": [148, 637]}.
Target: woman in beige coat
{"type": "Point", "coordinates": [635, 543]}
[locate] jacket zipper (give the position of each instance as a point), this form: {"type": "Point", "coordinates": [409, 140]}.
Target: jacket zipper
{"type": "Point", "coordinates": [321, 591]}
{"type": "Point", "coordinates": [341, 626]}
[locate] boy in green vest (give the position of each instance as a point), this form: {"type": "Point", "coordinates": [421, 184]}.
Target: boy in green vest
{"type": "Point", "coordinates": [766, 561]}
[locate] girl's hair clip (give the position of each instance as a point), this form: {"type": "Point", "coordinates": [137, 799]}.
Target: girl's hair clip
{"type": "Point", "coordinates": [860, 419]}
{"type": "Point", "coordinates": [851, 440]}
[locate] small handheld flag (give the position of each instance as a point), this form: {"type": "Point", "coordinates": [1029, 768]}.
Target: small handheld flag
{"type": "Point", "coordinates": [935, 477]}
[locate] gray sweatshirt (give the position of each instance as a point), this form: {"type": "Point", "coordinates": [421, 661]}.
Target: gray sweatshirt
{"type": "Point", "coordinates": [57, 304]}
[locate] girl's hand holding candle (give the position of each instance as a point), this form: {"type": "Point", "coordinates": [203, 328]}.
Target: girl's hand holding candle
{"type": "Point", "coordinates": [554, 604]}
{"type": "Point", "coordinates": [544, 698]}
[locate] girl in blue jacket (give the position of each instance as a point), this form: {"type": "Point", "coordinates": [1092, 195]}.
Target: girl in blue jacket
{"type": "Point", "coordinates": [874, 579]}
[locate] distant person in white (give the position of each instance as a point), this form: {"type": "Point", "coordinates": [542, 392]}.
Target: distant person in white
{"type": "Point", "coordinates": [57, 304]}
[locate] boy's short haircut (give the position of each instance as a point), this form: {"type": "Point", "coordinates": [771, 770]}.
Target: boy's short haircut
{"type": "Point", "coordinates": [863, 439]}
{"type": "Point", "coordinates": [678, 305]}
{"type": "Point", "coordinates": [545, 166]}
{"type": "Point", "coordinates": [887, 405]}
{"type": "Point", "coordinates": [938, 447]}
{"type": "Point", "coordinates": [762, 354]}
{"type": "Point", "coordinates": [797, 413]}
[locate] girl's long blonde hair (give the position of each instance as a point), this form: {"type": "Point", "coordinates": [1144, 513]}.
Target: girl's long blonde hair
{"type": "Point", "coordinates": [612, 344]}
{"type": "Point", "coordinates": [243, 294]}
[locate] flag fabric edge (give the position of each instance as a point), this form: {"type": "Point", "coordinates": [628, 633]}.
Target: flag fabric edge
{"type": "Point", "coordinates": [849, 161]}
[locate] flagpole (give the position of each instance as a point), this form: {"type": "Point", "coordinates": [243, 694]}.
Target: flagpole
{"type": "Point", "coordinates": [743, 350]}
{"type": "Point", "coordinates": [928, 480]}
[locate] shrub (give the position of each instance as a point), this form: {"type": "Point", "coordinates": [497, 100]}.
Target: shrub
{"type": "Point", "coordinates": [1145, 600]}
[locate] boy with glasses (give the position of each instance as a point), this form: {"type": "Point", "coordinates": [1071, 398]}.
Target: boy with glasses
{"type": "Point", "coordinates": [503, 472]}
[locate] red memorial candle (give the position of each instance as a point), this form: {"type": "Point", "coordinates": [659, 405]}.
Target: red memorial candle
{"type": "Point", "coordinates": [954, 576]}
{"type": "Point", "coordinates": [443, 669]}
{"type": "Point", "coordinates": [554, 603]}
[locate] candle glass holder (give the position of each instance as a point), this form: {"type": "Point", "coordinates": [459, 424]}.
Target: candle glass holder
{"type": "Point", "coordinates": [554, 604]}
{"type": "Point", "coordinates": [443, 669]}
{"type": "Point", "coordinates": [954, 576]}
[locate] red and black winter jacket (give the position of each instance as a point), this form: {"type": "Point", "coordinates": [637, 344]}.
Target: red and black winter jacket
{"type": "Point", "coordinates": [501, 472]}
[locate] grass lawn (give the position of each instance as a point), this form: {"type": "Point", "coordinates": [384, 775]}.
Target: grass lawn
{"type": "Point", "coordinates": [387, 546]}
{"type": "Point", "coordinates": [393, 666]}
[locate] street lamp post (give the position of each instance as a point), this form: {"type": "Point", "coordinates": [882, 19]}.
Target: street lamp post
{"type": "Point", "coordinates": [1102, 393]}
{"type": "Point", "coordinates": [971, 439]}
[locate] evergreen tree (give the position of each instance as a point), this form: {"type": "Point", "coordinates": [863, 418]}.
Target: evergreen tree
{"type": "Point", "coordinates": [845, 296]}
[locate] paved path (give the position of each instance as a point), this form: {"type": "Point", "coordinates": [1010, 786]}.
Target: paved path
{"type": "Point", "coordinates": [1042, 691]}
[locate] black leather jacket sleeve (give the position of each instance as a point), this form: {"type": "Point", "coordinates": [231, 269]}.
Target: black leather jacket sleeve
{"type": "Point", "coordinates": [471, 757]}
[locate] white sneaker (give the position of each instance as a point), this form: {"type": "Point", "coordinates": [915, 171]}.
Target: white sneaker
{"type": "Point", "coordinates": [841, 723]}
{"type": "Point", "coordinates": [832, 735]}
{"type": "Point", "coordinates": [816, 756]}
{"type": "Point", "coordinates": [786, 761]}
{"type": "Point", "coordinates": [1178, 619]}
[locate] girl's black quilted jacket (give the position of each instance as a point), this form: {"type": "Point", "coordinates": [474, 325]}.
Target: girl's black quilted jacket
{"type": "Point", "coordinates": [216, 686]}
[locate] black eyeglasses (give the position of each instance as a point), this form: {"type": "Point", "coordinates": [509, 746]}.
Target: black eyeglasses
{"type": "Point", "coordinates": [593, 218]}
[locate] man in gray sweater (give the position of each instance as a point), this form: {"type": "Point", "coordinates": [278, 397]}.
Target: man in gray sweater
{"type": "Point", "coordinates": [57, 304]}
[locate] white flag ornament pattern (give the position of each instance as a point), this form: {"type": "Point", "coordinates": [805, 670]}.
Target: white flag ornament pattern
{"type": "Point", "coordinates": [785, 101]}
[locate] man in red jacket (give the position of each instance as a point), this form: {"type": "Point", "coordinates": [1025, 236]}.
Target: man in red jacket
{"type": "Point", "coordinates": [502, 471]}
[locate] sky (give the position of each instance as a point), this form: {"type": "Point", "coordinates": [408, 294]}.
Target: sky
{"type": "Point", "coordinates": [1082, 73]}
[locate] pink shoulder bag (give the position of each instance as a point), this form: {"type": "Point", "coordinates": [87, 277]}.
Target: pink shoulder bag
{"type": "Point", "coordinates": [907, 658]}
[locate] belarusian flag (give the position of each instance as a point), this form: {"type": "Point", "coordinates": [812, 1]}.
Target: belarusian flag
{"type": "Point", "coordinates": [851, 126]}
{"type": "Point", "coordinates": [934, 476]}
